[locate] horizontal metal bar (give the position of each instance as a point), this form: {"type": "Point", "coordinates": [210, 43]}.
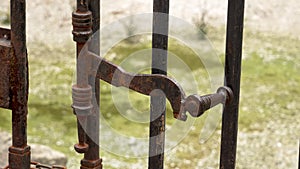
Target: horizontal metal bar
{"type": "Point", "coordinates": [155, 85]}
{"type": "Point", "coordinates": [5, 33]}
{"type": "Point", "coordinates": [142, 83]}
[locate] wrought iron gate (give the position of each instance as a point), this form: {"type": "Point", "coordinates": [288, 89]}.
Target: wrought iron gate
{"type": "Point", "coordinates": [86, 21]}
{"type": "Point", "coordinates": [14, 83]}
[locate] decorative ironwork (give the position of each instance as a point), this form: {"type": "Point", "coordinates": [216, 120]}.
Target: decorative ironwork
{"type": "Point", "coordinates": [149, 84]}
{"type": "Point", "coordinates": [14, 84]}
{"type": "Point", "coordinates": [86, 21]}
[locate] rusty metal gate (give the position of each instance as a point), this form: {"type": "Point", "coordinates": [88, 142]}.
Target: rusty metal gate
{"type": "Point", "coordinates": [86, 21]}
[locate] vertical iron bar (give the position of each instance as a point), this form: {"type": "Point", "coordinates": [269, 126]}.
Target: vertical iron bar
{"type": "Point", "coordinates": [159, 66]}
{"type": "Point", "coordinates": [91, 157]}
{"type": "Point", "coordinates": [81, 33]}
{"type": "Point", "coordinates": [84, 25]}
{"type": "Point", "coordinates": [19, 152]}
{"type": "Point", "coordinates": [233, 59]}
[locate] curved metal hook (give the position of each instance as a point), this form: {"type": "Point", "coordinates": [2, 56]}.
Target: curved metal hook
{"type": "Point", "coordinates": [148, 84]}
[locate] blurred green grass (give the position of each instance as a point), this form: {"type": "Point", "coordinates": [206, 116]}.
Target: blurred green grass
{"type": "Point", "coordinates": [269, 90]}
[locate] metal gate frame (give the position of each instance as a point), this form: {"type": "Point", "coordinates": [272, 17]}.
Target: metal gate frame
{"type": "Point", "coordinates": [14, 83]}
{"type": "Point", "coordinates": [86, 21]}
{"type": "Point", "coordinates": [196, 105]}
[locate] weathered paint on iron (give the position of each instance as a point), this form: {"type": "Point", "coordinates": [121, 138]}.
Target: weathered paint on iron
{"type": "Point", "coordinates": [158, 102]}
{"type": "Point", "coordinates": [19, 152]}
{"type": "Point", "coordinates": [93, 154]}
{"type": "Point", "coordinates": [14, 84]}
{"type": "Point", "coordinates": [86, 22]}
{"type": "Point", "coordinates": [157, 84]}
{"type": "Point", "coordinates": [6, 53]}
{"type": "Point", "coordinates": [234, 39]}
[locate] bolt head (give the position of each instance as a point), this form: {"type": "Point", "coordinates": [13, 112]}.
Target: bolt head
{"type": "Point", "coordinates": [81, 148]}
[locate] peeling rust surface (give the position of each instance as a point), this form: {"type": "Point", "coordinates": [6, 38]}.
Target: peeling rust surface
{"type": "Point", "coordinates": [143, 83]}
{"type": "Point", "coordinates": [156, 85]}
{"type": "Point", "coordinates": [149, 84]}
{"type": "Point", "coordinates": [19, 152]}
{"type": "Point", "coordinates": [19, 158]}
{"type": "Point", "coordinates": [5, 34]}
{"type": "Point", "coordinates": [157, 126]}
{"type": "Point", "coordinates": [86, 21]}
{"type": "Point", "coordinates": [14, 84]}
{"type": "Point", "coordinates": [6, 53]}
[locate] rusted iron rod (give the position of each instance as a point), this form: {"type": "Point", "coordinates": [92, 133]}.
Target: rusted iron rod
{"type": "Point", "coordinates": [91, 157]}
{"type": "Point", "coordinates": [86, 21]}
{"type": "Point", "coordinates": [153, 85]}
{"type": "Point", "coordinates": [234, 39]}
{"type": "Point", "coordinates": [19, 72]}
{"type": "Point", "coordinates": [157, 84]}
{"type": "Point", "coordinates": [81, 96]}
{"type": "Point", "coordinates": [81, 21]}
{"type": "Point", "coordinates": [160, 29]}
{"type": "Point", "coordinates": [142, 83]}
{"type": "Point", "coordinates": [19, 152]}
{"type": "Point", "coordinates": [6, 53]}
{"type": "Point", "coordinates": [196, 105]}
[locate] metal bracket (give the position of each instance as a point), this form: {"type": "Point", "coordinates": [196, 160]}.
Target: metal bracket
{"type": "Point", "coordinates": [150, 84]}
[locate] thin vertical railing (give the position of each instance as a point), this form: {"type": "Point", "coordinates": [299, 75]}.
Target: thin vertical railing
{"type": "Point", "coordinates": [92, 155]}
{"type": "Point", "coordinates": [159, 66]}
{"type": "Point", "coordinates": [86, 22]}
{"type": "Point", "coordinates": [19, 152]}
{"type": "Point", "coordinates": [234, 38]}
